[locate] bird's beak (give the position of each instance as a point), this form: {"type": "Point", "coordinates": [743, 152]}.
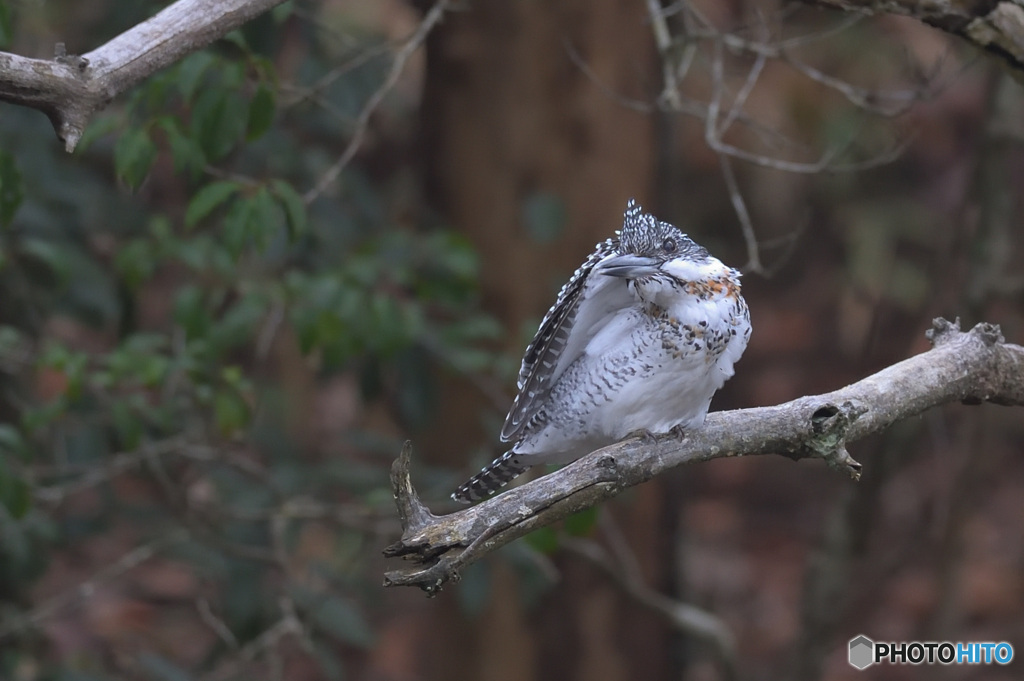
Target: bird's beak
{"type": "Point", "coordinates": [629, 266]}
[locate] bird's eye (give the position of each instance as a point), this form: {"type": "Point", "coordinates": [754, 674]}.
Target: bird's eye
{"type": "Point", "coordinates": [669, 245]}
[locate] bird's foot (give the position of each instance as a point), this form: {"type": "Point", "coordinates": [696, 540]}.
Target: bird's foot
{"type": "Point", "coordinates": [645, 436]}
{"type": "Point", "coordinates": [679, 431]}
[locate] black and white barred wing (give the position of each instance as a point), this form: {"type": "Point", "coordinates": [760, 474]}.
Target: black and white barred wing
{"type": "Point", "coordinates": [562, 337]}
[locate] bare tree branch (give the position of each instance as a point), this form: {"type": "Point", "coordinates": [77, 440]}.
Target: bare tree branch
{"type": "Point", "coordinates": [663, 41]}
{"type": "Point", "coordinates": [995, 27]}
{"type": "Point", "coordinates": [288, 626]}
{"type": "Point", "coordinates": [115, 466]}
{"type": "Point", "coordinates": [408, 48]}
{"type": "Point", "coordinates": [740, 208]}
{"type": "Point", "coordinates": [89, 588]}
{"type": "Point", "coordinates": [683, 617]}
{"type": "Point", "coordinates": [972, 367]}
{"type": "Point", "coordinates": [71, 88]}
{"type": "Point", "coordinates": [696, 34]}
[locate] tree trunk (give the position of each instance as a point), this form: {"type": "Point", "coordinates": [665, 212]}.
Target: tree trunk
{"type": "Point", "coordinates": [510, 121]}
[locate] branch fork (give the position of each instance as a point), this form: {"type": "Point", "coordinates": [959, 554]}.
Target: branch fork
{"type": "Point", "coordinates": [70, 89]}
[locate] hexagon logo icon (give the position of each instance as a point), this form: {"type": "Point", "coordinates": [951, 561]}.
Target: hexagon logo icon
{"type": "Point", "coordinates": [862, 652]}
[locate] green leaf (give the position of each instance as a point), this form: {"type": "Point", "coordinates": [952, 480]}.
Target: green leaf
{"type": "Point", "coordinates": [261, 113]}
{"type": "Point", "coordinates": [11, 188]}
{"type": "Point", "coordinates": [282, 12]}
{"type": "Point", "coordinates": [239, 324]}
{"type": "Point", "coordinates": [581, 524]}
{"type": "Point", "coordinates": [235, 228]}
{"type": "Point", "coordinates": [252, 220]}
{"type": "Point", "coordinates": [232, 375]}
{"type": "Point", "coordinates": [190, 311]}
{"type": "Point", "coordinates": [264, 69]}
{"type": "Point", "coordinates": [75, 373]}
{"type": "Point", "coordinates": [134, 155]}
{"type": "Point", "coordinates": [294, 207]}
{"type": "Point", "coordinates": [195, 252]}
{"type": "Point", "coordinates": [190, 72]}
{"type": "Point", "coordinates": [188, 156]}
{"type": "Point", "coordinates": [35, 419]}
{"type": "Point", "coordinates": [544, 540]}
{"type": "Point", "coordinates": [230, 412]}
{"type": "Point", "coordinates": [342, 618]}
{"type": "Point", "coordinates": [207, 199]}
{"type": "Point", "coordinates": [15, 494]}
{"type": "Point", "coordinates": [127, 424]}
{"type": "Point", "coordinates": [264, 218]}
{"type": "Point", "coordinates": [152, 97]}
{"type": "Point", "coordinates": [218, 121]}
{"type": "Point", "coordinates": [6, 31]}
{"type": "Point", "coordinates": [99, 127]}
{"type": "Point", "coordinates": [135, 262]}
{"type": "Point", "coordinates": [11, 339]}
{"type": "Point", "coordinates": [48, 255]}
{"type": "Point", "coordinates": [237, 38]}
{"type": "Point", "coordinates": [12, 442]}
{"type": "Point", "coordinates": [153, 369]}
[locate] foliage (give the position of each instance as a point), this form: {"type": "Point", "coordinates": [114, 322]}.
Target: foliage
{"type": "Point", "coordinates": [161, 356]}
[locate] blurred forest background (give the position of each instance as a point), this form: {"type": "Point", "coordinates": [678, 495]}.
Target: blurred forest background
{"type": "Point", "coordinates": [221, 316]}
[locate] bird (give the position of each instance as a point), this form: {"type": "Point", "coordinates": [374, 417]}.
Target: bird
{"type": "Point", "coordinates": [638, 341]}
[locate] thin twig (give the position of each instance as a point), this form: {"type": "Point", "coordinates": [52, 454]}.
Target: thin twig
{"type": "Point", "coordinates": [430, 19]}
{"type": "Point", "coordinates": [742, 214]}
{"type": "Point", "coordinates": [627, 102]}
{"type": "Point", "coordinates": [861, 97]}
{"type": "Point", "coordinates": [287, 625]}
{"type": "Point", "coordinates": [299, 94]}
{"type": "Point", "coordinates": [87, 589]}
{"type": "Point", "coordinates": [118, 464]}
{"type": "Point", "coordinates": [663, 41]}
{"type": "Point", "coordinates": [683, 617]}
{"type": "Point", "coordinates": [741, 97]}
{"type": "Point", "coordinates": [216, 624]}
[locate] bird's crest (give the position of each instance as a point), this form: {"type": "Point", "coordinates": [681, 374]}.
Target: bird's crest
{"type": "Point", "coordinates": [644, 234]}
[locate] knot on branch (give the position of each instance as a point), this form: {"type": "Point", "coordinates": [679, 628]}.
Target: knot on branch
{"type": "Point", "coordinates": [829, 425]}
{"type": "Point", "coordinates": [61, 56]}
{"type": "Point", "coordinates": [990, 334]}
{"type": "Point", "coordinates": [943, 331]}
{"type": "Point", "coordinates": [608, 467]}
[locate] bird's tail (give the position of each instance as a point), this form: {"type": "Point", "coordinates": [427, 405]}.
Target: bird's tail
{"type": "Point", "coordinates": [491, 478]}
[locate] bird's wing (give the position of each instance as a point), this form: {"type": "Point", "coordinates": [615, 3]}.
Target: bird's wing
{"type": "Point", "coordinates": [561, 338]}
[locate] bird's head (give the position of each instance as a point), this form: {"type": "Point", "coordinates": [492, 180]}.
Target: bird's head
{"type": "Point", "coordinates": [651, 249]}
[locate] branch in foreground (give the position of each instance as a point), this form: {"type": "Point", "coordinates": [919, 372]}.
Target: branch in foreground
{"type": "Point", "coordinates": [70, 89]}
{"type": "Point", "coordinates": [973, 367]}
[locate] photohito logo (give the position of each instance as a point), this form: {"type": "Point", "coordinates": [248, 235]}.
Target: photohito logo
{"type": "Point", "coordinates": [864, 652]}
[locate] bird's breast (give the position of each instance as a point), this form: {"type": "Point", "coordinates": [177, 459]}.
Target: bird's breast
{"type": "Point", "coordinates": [699, 321]}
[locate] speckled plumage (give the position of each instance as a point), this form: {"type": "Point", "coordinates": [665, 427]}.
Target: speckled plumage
{"type": "Point", "coordinates": [639, 339]}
